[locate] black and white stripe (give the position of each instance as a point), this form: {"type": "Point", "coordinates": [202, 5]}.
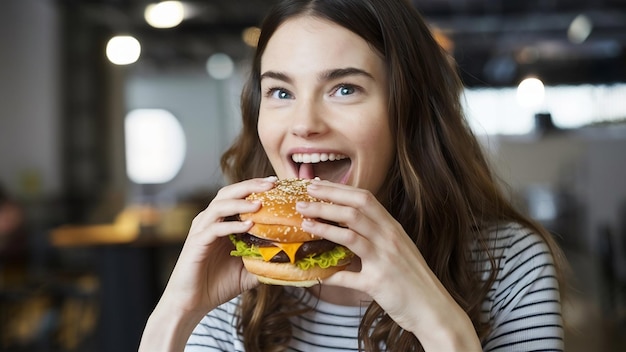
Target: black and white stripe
{"type": "Point", "coordinates": [522, 306]}
{"type": "Point", "coordinates": [217, 331]}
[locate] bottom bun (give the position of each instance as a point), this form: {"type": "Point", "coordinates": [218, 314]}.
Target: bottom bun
{"type": "Point", "coordinates": [287, 274]}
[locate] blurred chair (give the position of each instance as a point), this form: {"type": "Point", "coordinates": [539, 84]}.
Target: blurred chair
{"type": "Point", "coordinates": [42, 307]}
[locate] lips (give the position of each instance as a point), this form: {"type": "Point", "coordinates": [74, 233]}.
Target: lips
{"type": "Point", "coordinates": [330, 166]}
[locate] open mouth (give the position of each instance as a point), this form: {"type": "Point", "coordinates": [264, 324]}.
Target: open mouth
{"type": "Point", "coordinates": [333, 167]}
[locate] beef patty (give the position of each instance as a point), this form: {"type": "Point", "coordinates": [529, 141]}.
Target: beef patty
{"type": "Point", "coordinates": [310, 248]}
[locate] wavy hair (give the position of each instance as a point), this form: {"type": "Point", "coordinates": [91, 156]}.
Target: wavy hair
{"type": "Point", "coordinates": [440, 187]}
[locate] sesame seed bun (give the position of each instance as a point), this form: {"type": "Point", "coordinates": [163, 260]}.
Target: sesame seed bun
{"type": "Point", "coordinates": [277, 220]}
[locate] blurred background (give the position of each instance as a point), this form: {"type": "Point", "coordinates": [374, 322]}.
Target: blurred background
{"type": "Point", "coordinates": [113, 115]}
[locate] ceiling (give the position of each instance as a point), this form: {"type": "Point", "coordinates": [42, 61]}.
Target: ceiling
{"type": "Point", "coordinates": [495, 42]}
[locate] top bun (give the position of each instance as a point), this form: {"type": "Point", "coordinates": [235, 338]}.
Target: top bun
{"type": "Point", "coordinates": [277, 219]}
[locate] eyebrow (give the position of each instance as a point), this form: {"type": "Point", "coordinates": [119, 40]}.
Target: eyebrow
{"type": "Point", "coordinates": [344, 72]}
{"type": "Point", "coordinates": [276, 75]}
{"type": "Point", "coordinates": [324, 76]}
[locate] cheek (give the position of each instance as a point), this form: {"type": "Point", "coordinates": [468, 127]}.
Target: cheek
{"type": "Point", "coordinates": [375, 135]}
{"type": "Point", "coordinates": [268, 135]}
{"type": "Point", "coordinates": [263, 130]}
{"type": "Point", "coordinates": [379, 144]}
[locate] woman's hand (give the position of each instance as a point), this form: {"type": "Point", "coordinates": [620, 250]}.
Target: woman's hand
{"type": "Point", "coordinates": [393, 271]}
{"type": "Point", "coordinates": [205, 274]}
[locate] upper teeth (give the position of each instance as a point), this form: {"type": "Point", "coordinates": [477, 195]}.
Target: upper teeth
{"type": "Point", "coordinates": [316, 157]}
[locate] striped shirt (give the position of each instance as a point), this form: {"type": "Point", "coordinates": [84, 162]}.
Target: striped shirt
{"type": "Point", "coordinates": [522, 306]}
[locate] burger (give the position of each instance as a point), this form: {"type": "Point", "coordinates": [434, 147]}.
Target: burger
{"type": "Point", "coordinates": [277, 250]}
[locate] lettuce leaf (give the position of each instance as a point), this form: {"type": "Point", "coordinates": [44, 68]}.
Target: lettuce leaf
{"type": "Point", "coordinates": [326, 259]}
{"type": "Point", "coordinates": [243, 250]}
{"type": "Point", "coordinates": [323, 260]}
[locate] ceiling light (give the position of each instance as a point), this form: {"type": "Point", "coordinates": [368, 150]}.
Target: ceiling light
{"type": "Point", "coordinates": [530, 93]}
{"type": "Point", "coordinates": [220, 66]}
{"type": "Point", "coordinates": [165, 14]}
{"type": "Point", "coordinates": [580, 29]}
{"type": "Point", "coordinates": [155, 146]}
{"type": "Point", "coordinates": [123, 50]}
{"type": "Point", "coordinates": [250, 36]}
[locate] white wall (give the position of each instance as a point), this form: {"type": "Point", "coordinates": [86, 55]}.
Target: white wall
{"type": "Point", "coordinates": [29, 100]}
{"type": "Point", "coordinates": [209, 114]}
{"type": "Point", "coordinates": [590, 164]}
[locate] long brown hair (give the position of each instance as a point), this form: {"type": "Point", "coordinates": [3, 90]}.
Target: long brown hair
{"type": "Point", "coordinates": [440, 187]}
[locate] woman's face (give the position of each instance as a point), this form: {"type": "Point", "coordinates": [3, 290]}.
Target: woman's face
{"type": "Point", "coordinates": [324, 101]}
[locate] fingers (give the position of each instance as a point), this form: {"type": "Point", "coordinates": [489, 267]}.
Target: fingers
{"type": "Point", "coordinates": [221, 209]}
{"type": "Point", "coordinates": [343, 236]}
{"type": "Point", "coordinates": [220, 229]}
{"type": "Point", "coordinates": [362, 202]}
{"type": "Point", "coordinates": [367, 229]}
{"type": "Point", "coordinates": [358, 210]}
{"type": "Point", "coordinates": [244, 188]}
{"type": "Point", "coordinates": [230, 201]}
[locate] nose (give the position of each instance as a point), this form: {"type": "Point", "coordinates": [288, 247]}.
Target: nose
{"type": "Point", "coordinates": [308, 120]}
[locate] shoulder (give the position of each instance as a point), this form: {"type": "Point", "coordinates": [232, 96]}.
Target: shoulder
{"type": "Point", "coordinates": [518, 253]}
{"type": "Point", "coordinates": [514, 247]}
{"type": "Point", "coordinates": [512, 235]}
{"type": "Point", "coordinates": [523, 303]}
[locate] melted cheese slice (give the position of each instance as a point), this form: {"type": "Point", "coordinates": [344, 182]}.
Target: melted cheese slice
{"type": "Point", "coordinates": [289, 248]}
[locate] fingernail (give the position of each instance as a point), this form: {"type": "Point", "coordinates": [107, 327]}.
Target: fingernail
{"type": "Point", "coordinates": [271, 179]}
{"type": "Point", "coordinates": [302, 205]}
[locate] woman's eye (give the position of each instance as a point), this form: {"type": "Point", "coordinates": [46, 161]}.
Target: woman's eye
{"type": "Point", "coordinates": [345, 90]}
{"type": "Point", "coordinates": [278, 93]}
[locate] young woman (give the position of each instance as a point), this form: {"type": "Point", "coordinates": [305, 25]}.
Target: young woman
{"type": "Point", "coordinates": [444, 261]}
